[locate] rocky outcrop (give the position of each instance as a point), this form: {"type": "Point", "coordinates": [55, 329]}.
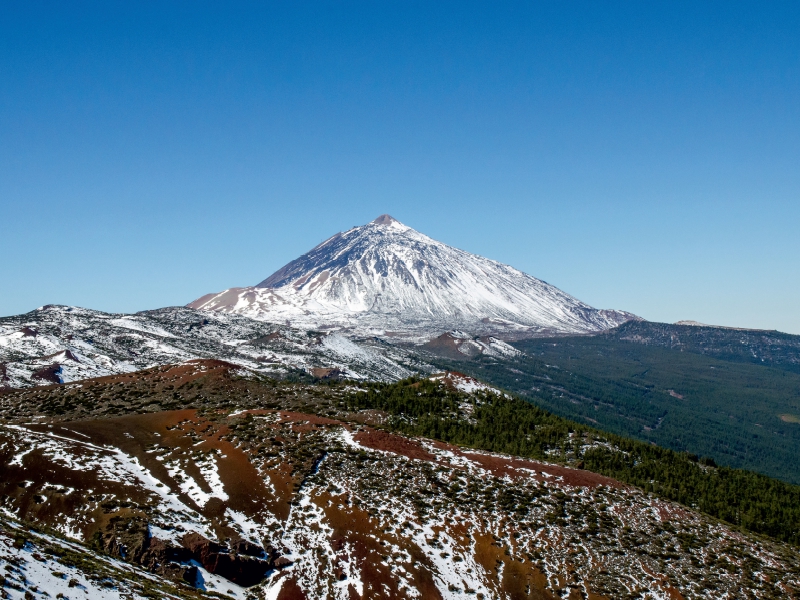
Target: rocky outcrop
{"type": "Point", "coordinates": [124, 536]}
{"type": "Point", "coordinates": [243, 562]}
{"type": "Point", "coordinates": [128, 538]}
{"type": "Point", "coordinates": [50, 373]}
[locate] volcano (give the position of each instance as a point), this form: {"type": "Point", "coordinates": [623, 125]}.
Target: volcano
{"type": "Point", "coordinates": [387, 279]}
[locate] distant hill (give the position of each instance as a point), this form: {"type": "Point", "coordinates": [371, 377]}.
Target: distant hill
{"type": "Point", "coordinates": [771, 348]}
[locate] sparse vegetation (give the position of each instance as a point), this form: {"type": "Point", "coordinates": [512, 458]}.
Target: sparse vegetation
{"type": "Point", "coordinates": [308, 467]}
{"type": "Point", "coordinates": [513, 426]}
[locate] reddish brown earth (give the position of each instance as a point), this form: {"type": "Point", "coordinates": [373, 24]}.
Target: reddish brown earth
{"type": "Point", "coordinates": [389, 442]}
{"type": "Point", "coordinates": [445, 345]}
{"type": "Point", "coordinates": [451, 379]}
{"type": "Point", "coordinates": [357, 528]}
{"type": "Point", "coordinates": [520, 580]}
{"type": "Point", "coordinates": [327, 373]}
{"type": "Point", "coordinates": [517, 468]}
{"type": "Point", "coordinates": [303, 421]}
{"type": "Point", "coordinates": [499, 466]}
{"type": "Point", "coordinates": [180, 431]}
{"type": "Point", "coordinates": [290, 590]}
{"type": "Point", "coordinates": [49, 373]}
{"type": "Point", "coordinates": [670, 512]}
{"type": "Point", "coordinates": [369, 417]}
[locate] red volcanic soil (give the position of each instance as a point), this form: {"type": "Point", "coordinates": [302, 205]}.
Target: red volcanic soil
{"type": "Point", "coordinates": [370, 416]}
{"type": "Point", "coordinates": [667, 512]}
{"type": "Point", "coordinates": [184, 432]}
{"type": "Point", "coordinates": [364, 535]}
{"type": "Point", "coordinates": [451, 378]}
{"type": "Point", "coordinates": [288, 416]}
{"type": "Point", "coordinates": [291, 591]}
{"type": "Point", "coordinates": [519, 579]}
{"type": "Point", "coordinates": [517, 468]}
{"type": "Point", "coordinates": [499, 466]}
{"type": "Point", "coordinates": [67, 354]}
{"type": "Point", "coordinates": [157, 377]}
{"type": "Point", "coordinates": [377, 439]}
{"type": "Point", "coordinates": [48, 373]}
{"type": "Point", "coordinates": [176, 374]}
{"type": "Point", "coordinates": [445, 345]}
{"type": "Point", "coordinates": [389, 442]}
{"type": "Point", "coordinates": [323, 373]}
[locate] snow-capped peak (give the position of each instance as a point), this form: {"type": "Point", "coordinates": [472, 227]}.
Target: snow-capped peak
{"type": "Point", "coordinates": [385, 278]}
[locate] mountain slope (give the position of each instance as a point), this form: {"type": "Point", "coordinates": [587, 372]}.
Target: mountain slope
{"type": "Point", "coordinates": [385, 278]}
{"type": "Point", "coordinates": [57, 344]}
{"type": "Point", "coordinates": [208, 478]}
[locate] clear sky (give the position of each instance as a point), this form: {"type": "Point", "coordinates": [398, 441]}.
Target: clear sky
{"type": "Point", "coordinates": [639, 155]}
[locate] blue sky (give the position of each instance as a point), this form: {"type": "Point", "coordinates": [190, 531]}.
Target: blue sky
{"type": "Point", "coordinates": [640, 156]}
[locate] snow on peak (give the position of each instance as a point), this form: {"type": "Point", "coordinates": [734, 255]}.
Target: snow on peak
{"type": "Point", "coordinates": [385, 278]}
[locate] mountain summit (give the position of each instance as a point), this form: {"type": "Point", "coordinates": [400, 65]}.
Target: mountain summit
{"type": "Point", "coordinates": [385, 278]}
{"type": "Point", "coordinates": [385, 220]}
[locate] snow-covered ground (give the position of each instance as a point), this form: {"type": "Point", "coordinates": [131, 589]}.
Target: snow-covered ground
{"type": "Point", "coordinates": [31, 569]}
{"type": "Point", "coordinates": [59, 344]}
{"type": "Point", "coordinates": [109, 464]}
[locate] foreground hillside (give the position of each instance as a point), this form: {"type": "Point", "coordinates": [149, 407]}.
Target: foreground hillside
{"type": "Point", "coordinates": [209, 480]}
